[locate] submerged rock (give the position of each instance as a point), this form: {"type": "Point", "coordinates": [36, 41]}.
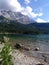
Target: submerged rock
{"type": "Point", "coordinates": [17, 46]}
{"type": "Point", "coordinates": [36, 49]}
{"type": "Point", "coordinates": [39, 64]}
{"type": "Point", "coordinates": [26, 48]}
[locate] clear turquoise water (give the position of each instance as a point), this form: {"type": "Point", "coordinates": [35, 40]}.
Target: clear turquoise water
{"type": "Point", "coordinates": [41, 40]}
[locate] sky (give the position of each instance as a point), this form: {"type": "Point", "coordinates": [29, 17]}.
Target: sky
{"type": "Point", "coordinates": [36, 9]}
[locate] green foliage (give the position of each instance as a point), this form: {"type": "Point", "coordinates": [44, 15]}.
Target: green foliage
{"type": "Point", "coordinates": [6, 55]}
{"type": "Point", "coordinates": [13, 26]}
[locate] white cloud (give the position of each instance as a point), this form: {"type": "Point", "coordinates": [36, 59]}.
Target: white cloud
{"type": "Point", "coordinates": [48, 20]}
{"type": "Point", "coordinates": [36, 14]}
{"type": "Point", "coordinates": [40, 14]}
{"type": "Point", "coordinates": [33, 14]}
{"type": "Point", "coordinates": [26, 11]}
{"type": "Point", "coordinates": [39, 20]}
{"type": "Point", "coordinates": [16, 5]}
{"type": "Point", "coordinates": [29, 11]}
{"type": "Point", "coordinates": [10, 5]}
{"type": "Point", "coordinates": [27, 1]}
{"type": "Point", "coordinates": [4, 4]}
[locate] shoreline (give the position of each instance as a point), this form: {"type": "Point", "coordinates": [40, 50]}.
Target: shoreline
{"type": "Point", "coordinates": [24, 58]}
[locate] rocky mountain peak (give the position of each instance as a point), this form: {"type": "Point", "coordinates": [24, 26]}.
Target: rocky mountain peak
{"type": "Point", "coordinates": [16, 16]}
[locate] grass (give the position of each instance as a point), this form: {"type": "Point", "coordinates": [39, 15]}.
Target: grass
{"type": "Point", "coordinates": [5, 54]}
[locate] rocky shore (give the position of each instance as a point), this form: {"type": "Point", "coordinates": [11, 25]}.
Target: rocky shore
{"type": "Point", "coordinates": [23, 57]}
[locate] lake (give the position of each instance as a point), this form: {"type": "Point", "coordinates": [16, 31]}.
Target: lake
{"type": "Point", "coordinates": [41, 40]}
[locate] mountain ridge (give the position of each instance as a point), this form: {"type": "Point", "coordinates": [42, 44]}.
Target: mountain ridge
{"type": "Point", "coordinates": [22, 25]}
{"type": "Point", "coordinates": [24, 19]}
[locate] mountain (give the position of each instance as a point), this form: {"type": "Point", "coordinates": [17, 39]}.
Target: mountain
{"type": "Point", "coordinates": [19, 23]}
{"type": "Point", "coordinates": [16, 16]}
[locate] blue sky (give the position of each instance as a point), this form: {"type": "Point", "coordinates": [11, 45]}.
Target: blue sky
{"type": "Point", "coordinates": [36, 9]}
{"type": "Point", "coordinates": [38, 6]}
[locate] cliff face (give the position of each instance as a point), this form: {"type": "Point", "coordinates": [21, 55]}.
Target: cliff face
{"type": "Point", "coordinates": [16, 16]}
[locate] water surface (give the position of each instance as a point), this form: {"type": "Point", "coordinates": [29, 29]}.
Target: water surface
{"type": "Point", "coordinates": [40, 40]}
